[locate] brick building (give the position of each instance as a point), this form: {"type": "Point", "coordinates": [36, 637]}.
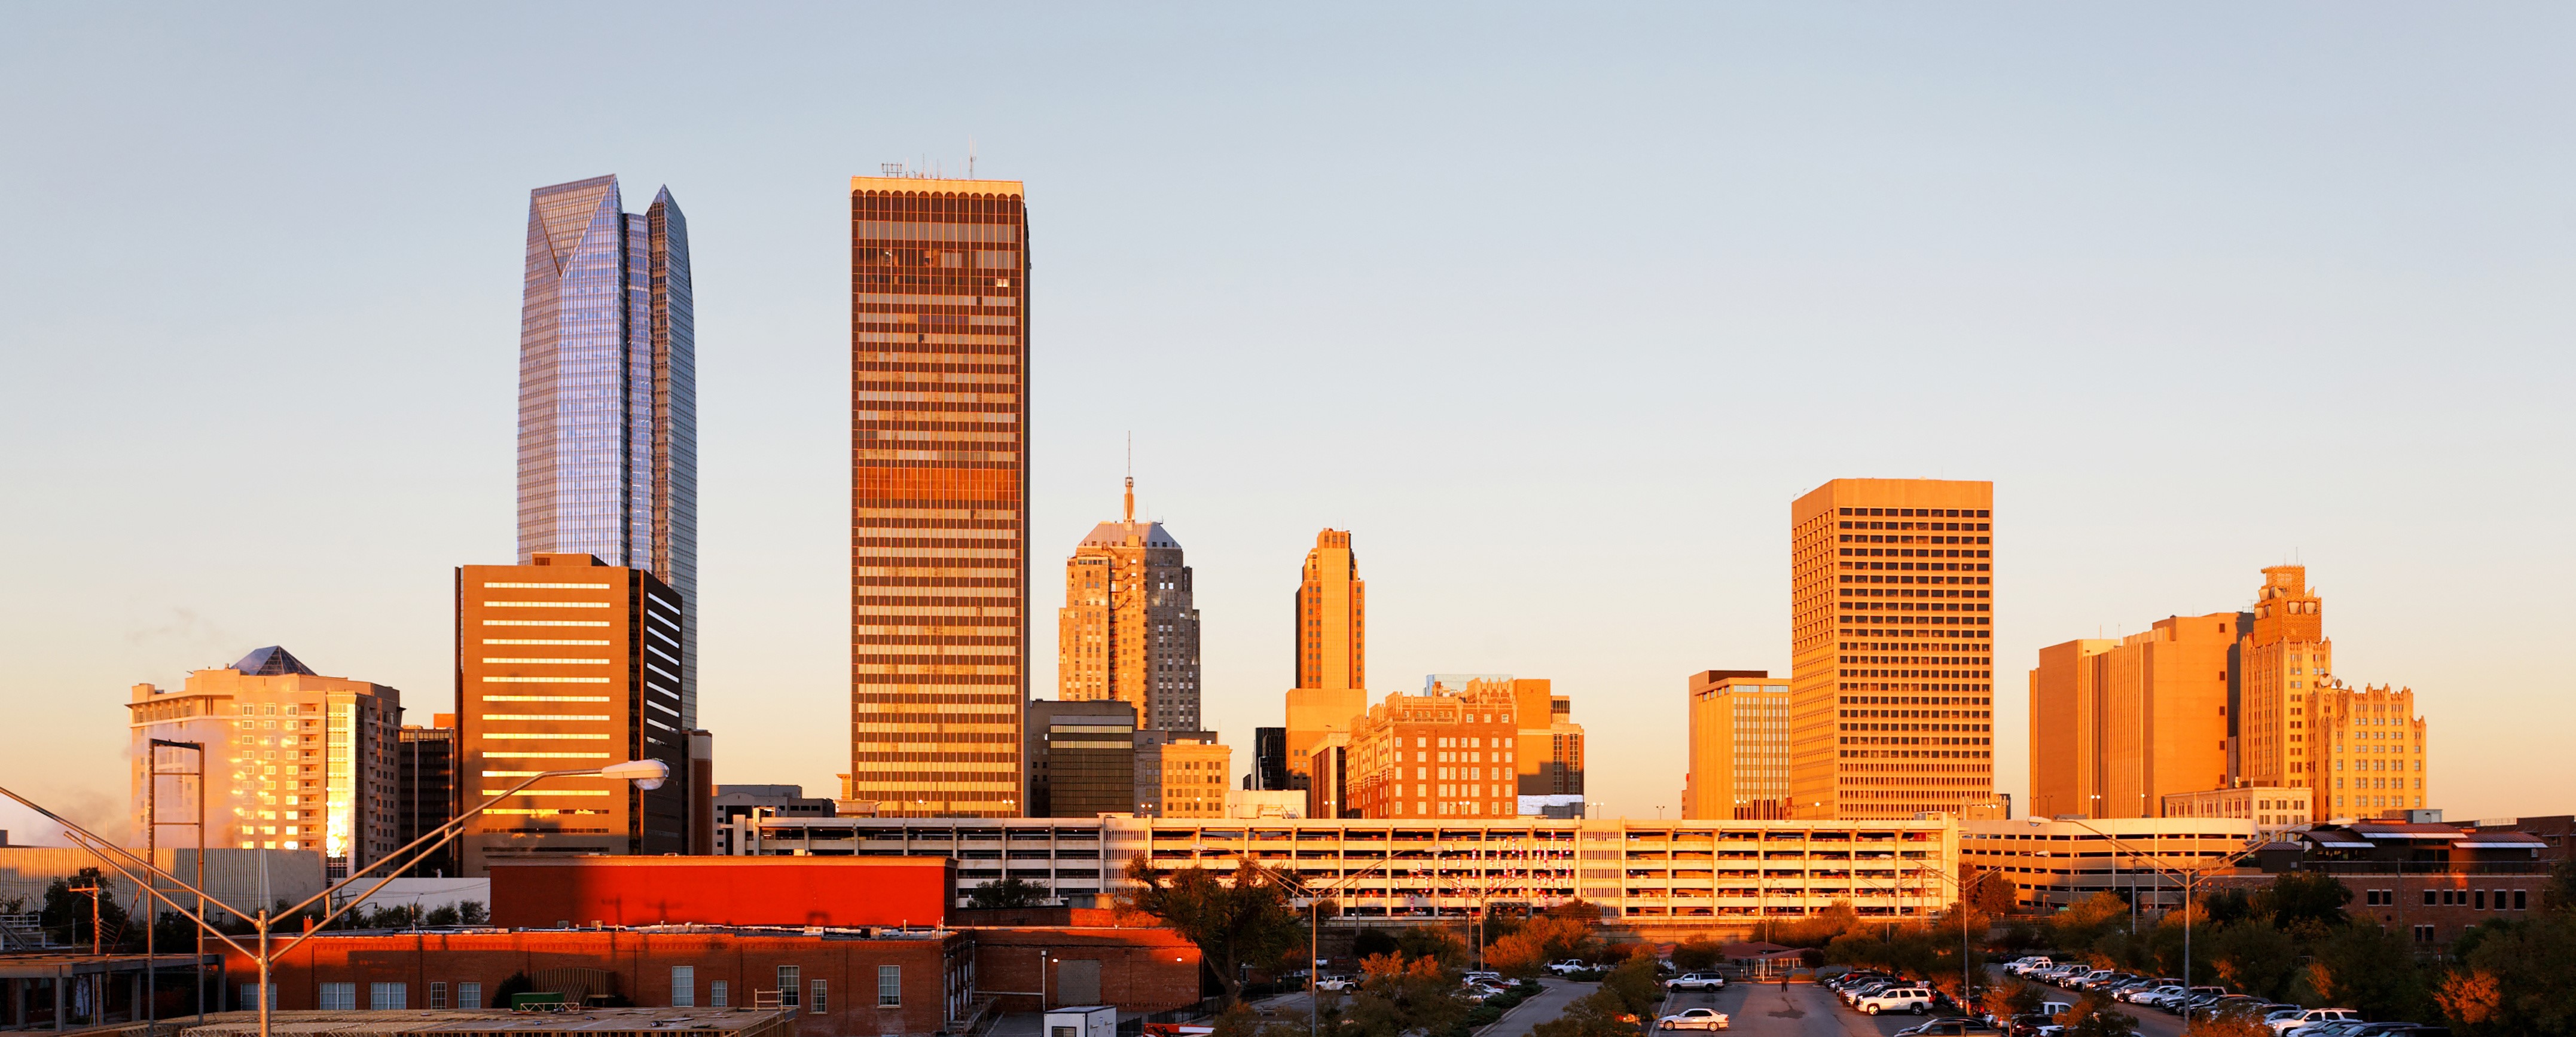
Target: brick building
{"type": "Point", "coordinates": [1447, 752]}
{"type": "Point", "coordinates": [2430, 881]}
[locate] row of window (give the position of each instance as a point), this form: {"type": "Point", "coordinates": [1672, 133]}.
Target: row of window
{"type": "Point", "coordinates": [394, 997]}
{"type": "Point", "coordinates": [2473, 899]}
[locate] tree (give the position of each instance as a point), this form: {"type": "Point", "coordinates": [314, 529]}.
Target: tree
{"type": "Point", "coordinates": [1372, 942]}
{"type": "Point", "coordinates": [1635, 984]}
{"type": "Point", "coordinates": [2012, 997]}
{"type": "Point", "coordinates": [1009, 892]}
{"type": "Point", "coordinates": [1598, 1014]}
{"type": "Point", "coordinates": [1435, 942]}
{"type": "Point", "coordinates": [2514, 978]}
{"type": "Point", "coordinates": [1991, 893]}
{"type": "Point", "coordinates": [2078, 926]}
{"type": "Point", "coordinates": [2254, 956]}
{"type": "Point", "coordinates": [67, 914]}
{"type": "Point", "coordinates": [1399, 997]}
{"type": "Point", "coordinates": [1237, 920]}
{"type": "Point", "coordinates": [1697, 954]}
{"type": "Point", "coordinates": [472, 912]}
{"type": "Point", "coordinates": [2313, 898]}
{"type": "Point", "coordinates": [2235, 1023]}
{"type": "Point", "coordinates": [2370, 969]}
{"type": "Point", "coordinates": [2092, 1015]}
{"type": "Point", "coordinates": [443, 915]}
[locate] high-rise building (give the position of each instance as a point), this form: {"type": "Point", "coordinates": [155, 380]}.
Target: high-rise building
{"type": "Point", "coordinates": [2357, 751]}
{"type": "Point", "coordinates": [2374, 754]}
{"type": "Point", "coordinates": [1892, 624]}
{"type": "Point", "coordinates": [1739, 747]}
{"type": "Point", "coordinates": [569, 663]}
{"type": "Point", "coordinates": [425, 791]}
{"type": "Point", "coordinates": [1447, 752]}
{"type": "Point", "coordinates": [2115, 727]}
{"type": "Point", "coordinates": [1548, 753]}
{"type": "Point", "coordinates": [294, 760]}
{"type": "Point", "coordinates": [1269, 771]}
{"type": "Point", "coordinates": [1128, 632]}
{"type": "Point", "coordinates": [1081, 758]}
{"type": "Point", "coordinates": [1328, 777]}
{"type": "Point", "coordinates": [939, 480]}
{"type": "Point", "coordinates": [608, 426]}
{"type": "Point", "coordinates": [1330, 639]}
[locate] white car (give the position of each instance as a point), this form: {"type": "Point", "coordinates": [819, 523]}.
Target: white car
{"type": "Point", "coordinates": [1696, 981]}
{"type": "Point", "coordinates": [1917, 1000]}
{"type": "Point", "coordinates": [1569, 965]}
{"type": "Point", "coordinates": [1693, 1019]}
{"type": "Point", "coordinates": [2287, 1021]}
{"type": "Point", "coordinates": [2026, 966]}
{"type": "Point", "coordinates": [1337, 984]}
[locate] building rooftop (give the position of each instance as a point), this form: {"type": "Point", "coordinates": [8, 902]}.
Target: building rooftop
{"type": "Point", "coordinates": [272, 661]}
{"type": "Point", "coordinates": [478, 1021]}
{"type": "Point", "coordinates": [1117, 534]}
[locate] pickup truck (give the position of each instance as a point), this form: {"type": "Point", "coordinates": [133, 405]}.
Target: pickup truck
{"type": "Point", "coordinates": [1917, 1000]}
{"type": "Point", "coordinates": [1696, 981]}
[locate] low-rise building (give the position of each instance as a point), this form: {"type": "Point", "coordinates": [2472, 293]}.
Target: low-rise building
{"type": "Point", "coordinates": [1720, 878]}
{"type": "Point", "coordinates": [2430, 881]}
{"type": "Point", "coordinates": [737, 801]}
{"type": "Point", "coordinates": [2270, 807]}
{"type": "Point", "coordinates": [2055, 863]}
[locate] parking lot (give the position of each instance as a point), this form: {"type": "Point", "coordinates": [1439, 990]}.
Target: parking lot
{"type": "Point", "coordinates": [1808, 1010]}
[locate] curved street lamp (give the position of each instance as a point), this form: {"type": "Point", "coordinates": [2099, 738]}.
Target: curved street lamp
{"type": "Point", "coordinates": [646, 774]}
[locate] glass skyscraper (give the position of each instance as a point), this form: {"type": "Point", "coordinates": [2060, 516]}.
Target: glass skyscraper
{"type": "Point", "coordinates": [608, 453]}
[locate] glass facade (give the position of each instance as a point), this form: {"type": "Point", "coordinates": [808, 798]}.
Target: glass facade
{"type": "Point", "coordinates": [608, 391]}
{"type": "Point", "coordinates": [938, 491]}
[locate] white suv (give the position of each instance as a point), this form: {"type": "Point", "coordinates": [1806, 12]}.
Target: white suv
{"type": "Point", "coordinates": [1917, 1000]}
{"type": "Point", "coordinates": [2312, 1017]}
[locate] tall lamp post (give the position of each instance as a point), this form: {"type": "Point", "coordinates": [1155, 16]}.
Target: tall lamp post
{"type": "Point", "coordinates": [646, 774]}
{"type": "Point", "coordinates": [2190, 877]}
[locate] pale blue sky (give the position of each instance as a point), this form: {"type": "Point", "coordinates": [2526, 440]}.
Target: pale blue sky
{"type": "Point", "coordinates": [1557, 307]}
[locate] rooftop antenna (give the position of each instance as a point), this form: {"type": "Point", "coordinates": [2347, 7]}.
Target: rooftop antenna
{"type": "Point", "coordinates": [1131, 478]}
{"type": "Point", "coordinates": [970, 158]}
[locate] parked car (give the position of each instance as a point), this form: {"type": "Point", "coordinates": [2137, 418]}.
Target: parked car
{"type": "Point", "coordinates": [1954, 1027]}
{"type": "Point", "coordinates": [1337, 984]}
{"type": "Point", "coordinates": [1696, 981]}
{"type": "Point", "coordinates": [2033, 1024]}
{"type": "Point", "coordinates": [2028, 964]}
{"type": "Point", "coordinates": [2138, 993]}
{"type": "Point", "coordinates": [1693, 1019]}
{"type": "Point", "coordinates": [1491, 979]}
{"type": "Point", "coordinates": [1569, 965]}
{"type": "Point", "coordinates": [1917, 1000]}
{"type": "Point", "coordinates": [1853, 995]}
{"type": "Point", "coordinates": [2286, 1021]}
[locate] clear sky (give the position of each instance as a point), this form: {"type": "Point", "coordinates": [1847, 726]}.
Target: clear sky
{"type": "Point", "coordinates": [1557, 307]}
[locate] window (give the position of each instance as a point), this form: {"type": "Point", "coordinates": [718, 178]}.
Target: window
{"type": "Point", "coordinates": [821, 1003]}
{"type": "Point", "coordinates": [716, 994]}
{"type": "Point", "coordinates": [889, 986]}
{"type": "Point", "coordinates": [2478, 900]}
{"type": "Point", "coordinates": [338, 997]}
{"type": "Point", "coordinates": [2423, 934]}
{"type": "Point", "coordinates": [2521, 901]}
{"type": "Point", "coordinates": [2429, 898]}
{"type": "Point", "coordinates": [438, 995]}
{"type": "Point", "coordinates": [469, 995]}
{"type": "Point", "coordinates": [789, 977]}
{"type": "Point", "coordinates": [684, 986]}
{"type": "Point", "coordinates": [388, 997]}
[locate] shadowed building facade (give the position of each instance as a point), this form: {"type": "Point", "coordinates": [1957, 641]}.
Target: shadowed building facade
{"type": "Point", "coordinates": [1128, 631]}
{"type": "Point", "coordinates": [939, 560]}
{"type": "Point", "coordinates": [608, 455]}
{"type": "Point", "coordinates": [1891, 620]}
{"type": "Point", "coordinates": [2117, 726]}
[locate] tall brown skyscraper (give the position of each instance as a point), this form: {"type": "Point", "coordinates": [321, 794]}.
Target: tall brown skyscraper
{"type": "Point", "coordinates": [2283, 659]}
{"type": "Point", "coordinates": [939, 564]}
{"type": "Point", "coordinates": [1127, 631]}
{"type": "Point", "coordinates": [1329, 635]}
{"type": "Point", "coordinates": [1892, 612]}
{"type": "Point", "coordinates": [2116, 726]}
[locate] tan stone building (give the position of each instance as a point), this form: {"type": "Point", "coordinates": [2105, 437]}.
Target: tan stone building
{"type": "Point", "coordinates": [1330, 639]}
{"type": "Point", "coordinates": [1445, 753]}
{"type": "Point", "coordinates": [1549, 751]}
{"type": "Point", "coordinates": [566, 664]}
{"type": "Point", "coordinates": [1739, 747]}
{"type": "Point", "coordinates": [1892, 598]}
{"type": "Point", "coordinates": [2358, 751]}
{"type": "Point", "coordinates": [1194, 769]}
{"type": "Point", "coordinates": [2117, 726]}
{"type": "Point", "coordinates": [294, 760]}
{"type": "Point", "coordinates": [1128, 631]}
{"type": "Point", "coordinates": [2374, 756]}
{"type": "Point", "coordinates": [2268, 806]}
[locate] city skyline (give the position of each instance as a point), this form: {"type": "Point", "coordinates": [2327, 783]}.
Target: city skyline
{"type": "Point", "coordinates": [2132, 255]}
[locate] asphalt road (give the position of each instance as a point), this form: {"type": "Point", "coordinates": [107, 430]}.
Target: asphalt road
{"type": "Point", "coordinates": [1549, 1004]}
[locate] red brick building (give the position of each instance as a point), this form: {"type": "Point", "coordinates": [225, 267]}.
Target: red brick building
{"type": "Point", "coordinates": [2429, 881]}
{"type": "Point", "coordinates": [918, 982]}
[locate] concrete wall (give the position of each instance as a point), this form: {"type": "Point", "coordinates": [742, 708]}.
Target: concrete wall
{"type": "Point", "coordinates": [232, 875]}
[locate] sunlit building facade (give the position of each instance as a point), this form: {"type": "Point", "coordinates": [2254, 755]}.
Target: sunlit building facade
{"type": "Point", "coordinates": [1739, 747]}
{"type": "Point", "coordinates": [294, 760]}
{"type": "Point", "coordinates": [1329, 635]}
{"type": "Point", "coordinates": [608, 455]}
{"type": "Point", "coordinates": [1448, 752]}
{"type": "Point", "coordinates": [1892, 598]}
{"type": "Point", "coordinates": [1127, 631]}
{"type": "Point", "coordinates": [939, 481]}
{"type": "Point", "coordinates": [2118, 726]}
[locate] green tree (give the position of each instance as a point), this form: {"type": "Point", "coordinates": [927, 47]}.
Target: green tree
{"type": "Point", "coordinates": [1992, 894]}
{"type": "Point", "coordinates": [66, 914]}
{"type": "Point", "coordinates": [1438, 943]}
{"type": "Point", "coordinates": [2078, 926]}
{"type": "Point", "coordinates": [1008, 892]}
{"type": "Point", "coordinates": [443, 915]}
{"type": "Point", "coordinates": [1238, 920]}
{"type": "Point", "coordinates": [1635, 985]}
{"type": "Point", "coordinates": [2228, 1024]}
{"type": "Point", "coordinates": [1697, 954]}
{"type": "Point", "coordinates": [2252, 955]}
{"type": "Point", "coordinates": [2012, 997]}
{"type": "Point", "coordinates": [2370, 969]}
{"type": "Point", "coordinates": [1399, 997]}
{"type": "Point", "coordinates": [2311, 898]}
{"type": "Point", "coordinates": [472, 912]}
{"type": "Point", "coordinates": [1598, 1014]}
{"type": "Point", "coordinates": [1372, 942]}
{"type": "Point", "coordinates": [2515, 978]}
{"type": "Point", "coordinates": [1532, 944]}
{"type": "Point", "coordinates": [2093, 1015]}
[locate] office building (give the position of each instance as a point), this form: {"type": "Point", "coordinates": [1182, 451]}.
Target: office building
{"type": "Point", "coordinates": [568, 663]}
{"type": "Point", "coordinates": [1739, 747]}
{"type": "Point", "coordinates": [1082, 758]}
{"type": "Point", "coordinates": [2117, 726]}
{"type": "Point", "coordinates": [1892, 594]}
{"type": "Point", "coordinates": [1193, 772]}
{"type": "Point", "coordinates": [294, 760]}
{"type": "Point", "coordinates": [425, 791]}
{"type": "Point", "coordinates": [1448, 752]}
{"type": "Point", "coordinates": [1707, 878]}
{"type": "Point", "coordinates": [608, 455]}
{"type": "Point", "coordinates": [1127, 632]}
{"type": "Point", "coordinates": [1548, 752]}
{"type": "Point", "coordinates": [2270, 807]}
{"type": "Point", "coordinates": [2372, 751]}
{"type": "Point", "coordinates": [1269, 771]}
{"type": "Point", "coordinates": [939, 479]}
{"type": "Point", "coordinates": [1329, 636]}
{"type": "Point", "coordinates": [1328, 778]}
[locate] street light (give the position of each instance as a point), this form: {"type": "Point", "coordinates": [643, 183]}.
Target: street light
{"type": "Point", "coordinates": [645, 774]}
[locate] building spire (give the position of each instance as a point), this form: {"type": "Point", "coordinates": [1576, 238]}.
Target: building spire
{"type": "Point", "coordinates": [1131, 478]}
